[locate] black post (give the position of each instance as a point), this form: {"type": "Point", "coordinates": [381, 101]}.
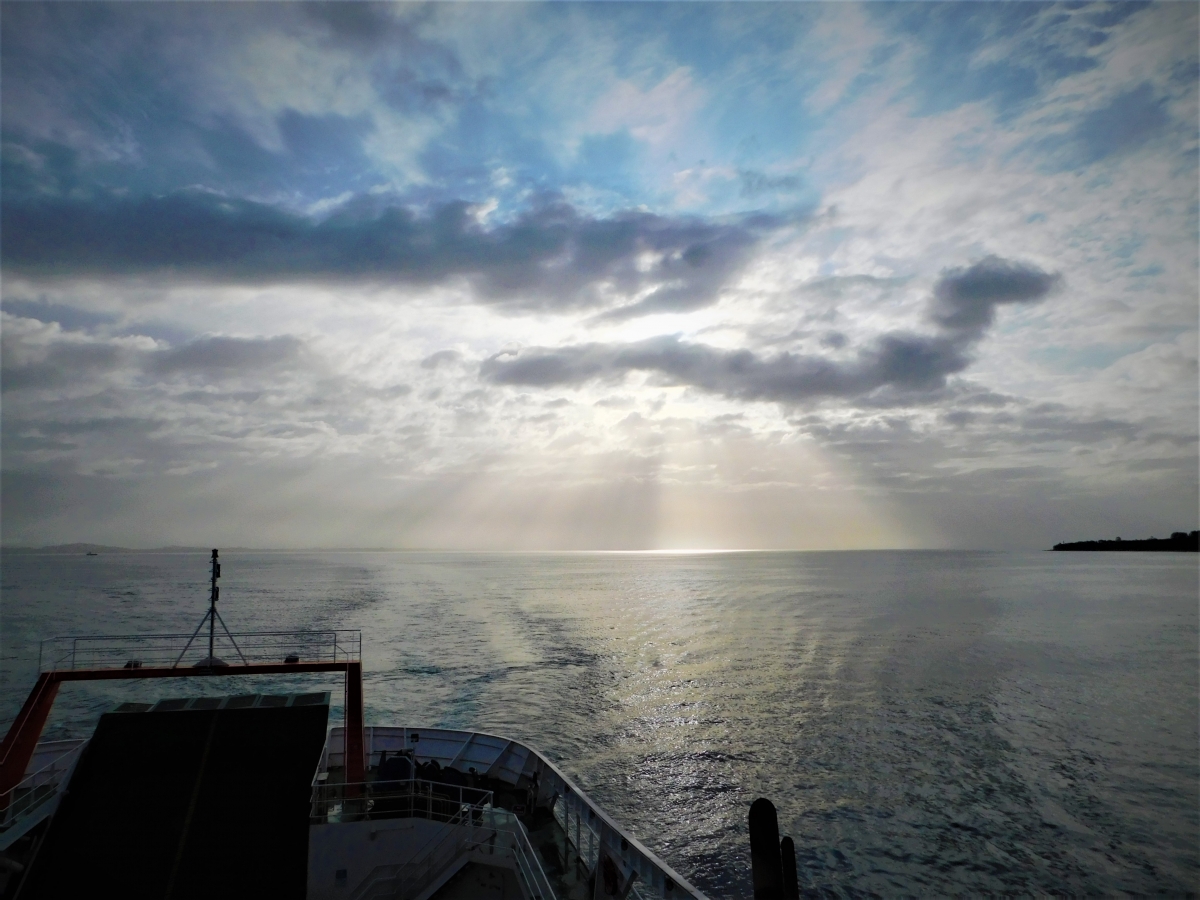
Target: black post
{"type": "Point", "coordinates": [766, 869]}
{"type": "Point", "coordinates": [212, 607]}
{"type": "Point", "coordinates": [787, 855]}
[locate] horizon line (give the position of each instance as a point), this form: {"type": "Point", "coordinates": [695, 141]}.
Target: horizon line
{"type": "Point", "coordinates": [81, 546]}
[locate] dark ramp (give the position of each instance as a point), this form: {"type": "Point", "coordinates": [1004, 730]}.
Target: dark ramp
{"type": "Point", "coordinates": [198, 803]}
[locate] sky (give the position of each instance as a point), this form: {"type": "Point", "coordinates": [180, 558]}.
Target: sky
{"type": "Point", "coordinates": [610, 276]}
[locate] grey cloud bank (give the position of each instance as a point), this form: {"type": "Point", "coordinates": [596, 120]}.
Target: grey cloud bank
{"type": "Point", "coordinates": [965, 300]}
{"type": "Point", "coordinates": [549, 257]}
{"type": "Point", "coordinates": [226, 354]}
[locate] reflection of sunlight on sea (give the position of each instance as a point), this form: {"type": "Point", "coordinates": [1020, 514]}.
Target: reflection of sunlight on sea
{"type": "Point", "coordinates": [925, 722]}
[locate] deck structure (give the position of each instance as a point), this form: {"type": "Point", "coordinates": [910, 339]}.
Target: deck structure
{"type": "Point", "coordinates": [473, 814]}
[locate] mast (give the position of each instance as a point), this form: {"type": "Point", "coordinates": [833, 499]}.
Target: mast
{"type": "Point", "coordinates": [212, 617]}
{"type": "Point", "coordinates": [212, 606]}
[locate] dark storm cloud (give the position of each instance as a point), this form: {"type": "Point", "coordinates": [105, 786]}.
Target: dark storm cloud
{"type": "Point", "coordinates": [549, 256]}
{"type": "Point", "coordinates": [962, 309]}
{"type": "Point", "coordinates": [227, 355]}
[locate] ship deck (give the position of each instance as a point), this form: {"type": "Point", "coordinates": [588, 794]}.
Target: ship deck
{"type": "Point", "coordinates": [253, 795]}
{"type": "Point", "coordinates": [488, 785]}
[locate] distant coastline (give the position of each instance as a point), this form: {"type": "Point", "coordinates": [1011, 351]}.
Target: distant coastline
{"type": "Point", "coordinates": [104, 548]}
{"type": "Point", "coordinates": [1179, 542]}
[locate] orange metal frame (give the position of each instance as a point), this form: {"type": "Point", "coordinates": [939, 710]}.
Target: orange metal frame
{"type": "Point", "coordinates": [21, 740]}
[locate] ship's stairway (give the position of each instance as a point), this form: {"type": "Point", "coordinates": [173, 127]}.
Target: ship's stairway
{"type": "Point", "coordinates": [431, 854]}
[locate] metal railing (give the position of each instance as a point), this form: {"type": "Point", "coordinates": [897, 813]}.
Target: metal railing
{"type": "Point", "coordinates": [585, 839]}
{"type": "Point", "coordinates": [513, 843]}
{"type": "Point", "coordinates": [496, 835]}
{"type": "Point", "coordinates": [168, 650]}
{"type": "Point", "coordinates": [529, 864]}
{"type": "Point", "coordinates": [474, 825]}
{"type": "Point", "coordinates": [37, 789]}
{"type": "Point", "coordinates": [587, 825]}
{"type": "Point", "coordinates": [408, 879]}
{"type": "Point", "coordinates": [408, 798]}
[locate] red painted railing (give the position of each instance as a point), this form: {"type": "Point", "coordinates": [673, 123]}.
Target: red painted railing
{"type": "Point", "coordinates": [17, 748]}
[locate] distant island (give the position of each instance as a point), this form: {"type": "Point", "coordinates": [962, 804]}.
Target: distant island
{"type": "Point", "coordinates": [1180, 541]}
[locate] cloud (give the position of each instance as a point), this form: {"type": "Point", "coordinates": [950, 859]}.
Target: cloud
{"type": "Point", "coordinates": [356, 24]}
{"type": "Point", "coordinates": [966, 298]}
{"type": "Point", "coordinates": [38, 355]}
{"type": "Point", "coordinates": [183, 181]}
{"type": "Point", "coordinates": [433, 360]}
{"type": "Point", "coordinates": [962, 309]}
{"type": "Point", "coordinates": [62, 365]}
{"type": "Point", "coordinates": [657, 115]}
{"type": "Point", "coordinates": [227, 355]}
{"type": "Point", "coordinates": [903, 361]}
{"type": "Point", "coordinates": [550, 256]}
{"type": "Point", "coordinates": [754, 183]}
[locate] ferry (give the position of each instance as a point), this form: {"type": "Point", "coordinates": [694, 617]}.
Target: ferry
{"type": "Point", "coordinates": [260, 795]}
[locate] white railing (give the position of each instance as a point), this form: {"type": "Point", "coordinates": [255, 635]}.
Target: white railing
{"type": "Point", "coordinates": [167, 650]}
{"type": "Point", "coordinates": [402, 879]}
{"type": "Point", "coordinates": [407, 798]}
{"type": "Point", "coordinates": [31, 795]}
{"type": "Point", "coordinates": [497, 834]}
{"type": "Point", "coordinates": [584, 838]}
{"type": "Point", "coordinates": [521, 851]}
{"type": "Point", "coordinates": [507, 761]}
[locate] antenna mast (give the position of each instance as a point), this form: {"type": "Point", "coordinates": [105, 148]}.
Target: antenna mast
{"type": "Point", "coordinates": [212, 617]}
{"type": "Point", "coordinates": [212, 606]}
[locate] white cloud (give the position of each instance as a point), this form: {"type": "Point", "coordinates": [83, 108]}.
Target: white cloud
{"type": "Point", "coordinates": [658, 115]}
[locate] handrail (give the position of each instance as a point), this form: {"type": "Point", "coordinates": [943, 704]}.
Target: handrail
{"type": "Point", "coordinates": [505, 837]}
{"type": "Point", "coordinates": [72, 652]}
{"type": "Point", "coordinates": [347, 801]}
{"type": "Point", "coordinates": [656, 878]}
{"type": "Point", "coordinates": [425, 865]}
{"type": "Point", "coordinates": [26, 797]}
{"type": "Point", "coordinates": [75, 747]}
{"type": "Point", "coordinates": [529, 865]}
{"type": "Point", "coordinates": [419, 866]}
{"type": "Point", "coordinates": [590, 855]}
{"type": "Point", "coordinates": [17, 748]}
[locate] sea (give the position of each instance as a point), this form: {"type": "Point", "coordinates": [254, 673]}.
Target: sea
{"type": "Point", "coordinates": [926, 723]}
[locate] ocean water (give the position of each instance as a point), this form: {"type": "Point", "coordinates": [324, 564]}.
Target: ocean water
{"type": "Point", "coordinates": [926, 723]}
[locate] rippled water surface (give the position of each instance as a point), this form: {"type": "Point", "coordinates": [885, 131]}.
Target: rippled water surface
{"type": "Point", "coordinates": [926, 723]}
